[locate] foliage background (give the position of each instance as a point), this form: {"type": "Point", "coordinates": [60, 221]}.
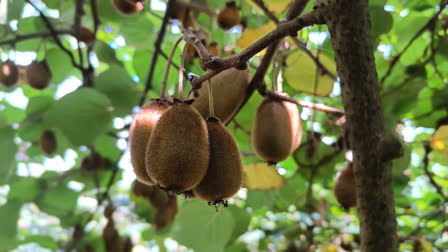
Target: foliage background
{"type": "Point", "coordinates": [43, 197]}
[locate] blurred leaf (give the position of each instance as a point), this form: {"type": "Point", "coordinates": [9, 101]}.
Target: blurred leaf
{"type": "Point", "coordinates": [43, 240]}
{"type": "Point", "coordinates": [7, 154]}
{"type": "Point", "coordinates": [59, 201]}
{"type": "Point", "coordinates": [216, 227]}
{"type": "Point", "coordinates": [82, 115]}
{"type": "Point", "coordinates": [440, 139]}
{"type": "Point", "coordinates": [249, 36]}
{"type": "Point", "coordinates": [301, 74]}
{"type": "Point", "coordinates": [242, 219]}
{"type": "Point", "coordinates": [105, 53]}
{"type": "Point", "coordinates": [9, 215]}
{"type": "Point", "coordinates": [25, 189]}
{"type": "Point", "coordinates": [60, 65]}
{"type": "Point", "coordinates": [381, 20]}
{"type": "Point", "coordinates": [38, 104]}
{"type": "Point", "coordinates": [262, 176]}
{"type": "Point", "coordinates": [276, 6]}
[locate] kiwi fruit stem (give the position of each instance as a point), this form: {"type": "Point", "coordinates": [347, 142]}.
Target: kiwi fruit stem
{"type": "Point", "coordinates": [211, 109]}
{"type": "Point", "coordinates": [170, 59]}
{"type": "Point", "coordinates": [181, 70]}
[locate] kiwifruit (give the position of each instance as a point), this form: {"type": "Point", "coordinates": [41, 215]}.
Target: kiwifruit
{"type": "Point", "coordinates": [213, 49]}
{"type": "Point", "coordinates": [225, 172]}
{"type": "Point", "coordinates": [9, 73]}
{"type": "Point", "coordinates": [127, 245]}
{"type": "Point", "coordinates": [178, 151]}
{"type": "Point", "coordinates": [345, 188]}
{"type": "Point", "coordinates": [142, 190]}
{"type": "Point", "coordinates": [38, 74]}
{"type": "Point", "coordinates": [229, 16]}
{"type": "Point", "coordinates": [166, 214]}
{"type": "Point", "coordinates": [127, 7]}
{"type": "Point", "coordinates": [179, 11]}
{"type": "Point", "coordinates": [158, 197]}
{"type": "Point", "coordinates": [277, 130]}
{"type": "Point", "coordinates": [86, 36]}
{"type": "Point", "coordinates": [229, 90]}
{"type": "Point", "coordinates": [111, 237]}
{"type": "Point", "coordinates": [109, 211]}
{"type": "Point", "coordinates": [144, 123]}
{"type": "Point", "coordinates": [47, 142]}
{"type": "Point", "coordinates": [93, 162]}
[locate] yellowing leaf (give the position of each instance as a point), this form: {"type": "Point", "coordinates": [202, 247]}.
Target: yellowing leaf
{"type": "Point", "coordinates": [273, 5]}
{"type": "Point", "coordinates": [262, 176]}
{"type": "Point", "coordinates": [301, 73]}
{"type": "Point", "coordinates": [440, 139]}
{"type": "Point", "coordinates": [251, 35]}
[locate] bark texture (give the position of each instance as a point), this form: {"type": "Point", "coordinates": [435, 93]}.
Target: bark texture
{"type": "Point", "coordinates": [348, 23]}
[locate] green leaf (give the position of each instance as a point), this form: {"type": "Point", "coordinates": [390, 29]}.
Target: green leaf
{"type": "Point", "coordinates": [59, 201]}
{"type": "Point", "coordinates": [25, 189]}
{"type": "Point", "coordinates": [301, 74]}
{"type": "Point", "coordinates": [242, 219]}
{"type": "Point", "coordinates": [38, 104]}
{"type": "Point", "coordinates": [15, 9]}
{"type": "Point", "coordinates": [120, 88]}
{"type": "Point", "coordinates": [82, 115]}
{"type": "Point", "coordinates": [9, 215]}
{"type": "Point", "coordinates": [7, 154]}
{"type": "Point", "coordinates": [60, 65]}
{"type": "Point", "coordinates": [43, 240]}
{"type": "Point", "coordinates": [381, 20]}
{"type": "Point", "coordinates": [215, 227]}
{"type": "Point", "coordinates": [105, 53]}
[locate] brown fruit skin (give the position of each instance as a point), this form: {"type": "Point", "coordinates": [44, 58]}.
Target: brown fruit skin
{"type": "Point", "coordinates": [38, 74]}
{"type": "Point", "coordinates": [112, 238]}
{"type": "Point", "coordinates": [86, 36]}
{"type": "Point", "coordinates": [225, 172]}
{"type": "Point", "coordinates": [127, 7]}
{"type": "Point", "coordinates": [47, 142]}
{"type": "Point", "coordinates": [178, 151]}
{"type": "Point", "coordinates": [179, 11]}
{"type": "Point", "coordinates": [152, 193]}
{"type": "Point", "coordinates": [229, 16]}
{"type": "Point", "coordinates": [144, 123]}
{"type": "Point", "coordinates": [213, 49]}
{"type": "Point", "coordinates": [229, 90]}
{"type": "Point", "coordinates": [142, 190]}
{"type": "Point", "coordinates": [277, 130]}
{"type": "Point", "coordinates": [345, 188]}
{"type": "Point", "coordinates": [9, 73]}
{"type": "Point", "coordinates": [166, 214]}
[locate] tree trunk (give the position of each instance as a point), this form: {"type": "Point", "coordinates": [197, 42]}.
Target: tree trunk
{"type": "Point", "coordinates": [373, 149]}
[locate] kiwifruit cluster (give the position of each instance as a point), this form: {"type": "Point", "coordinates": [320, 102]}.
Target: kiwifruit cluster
{"type": "Point", "coordinates": [229, 90]}
{"type": "Point", "coordinates": [141, 128]}
{"type": "Point", "coordinates": [277, 130]}
{"type": "Point", "coordinates": [9, 73]}
{"type": "Point", "coordinates": [229, 16]}
{"type": "Point", "coordinates": [38, 74]}
{"type": "Point", "coordinates": [165, 205]}
{"type": "Point", "coordinates": [345, 188]}
{"type": "Point", "coordinates": [111, 237]}
{"type": "Point", "coordinates": [128, 7]}
{"type": "Point", "coordinates": [47, 142]}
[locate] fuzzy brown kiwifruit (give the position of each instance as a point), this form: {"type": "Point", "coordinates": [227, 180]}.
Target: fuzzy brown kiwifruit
{"type": "Point", "coordinates": [109, 211]}
{"type": "Point", "coordinates": [179, 11]}
{"type": "Point", "coordinates": [345, 188]}
{"type": "Point", "coordinates": [47, 142]}
{"type": "Point", "coordinates": [127, 245]}
{"type": "Point", "coordinates": [229, 90]}
{"type": "Point", "coordinates": [166, 214]}
{"type": "Point", "coordinates": [111, 237]}
{"type": "Point", "coordinates": [93, 162]}
{"type": "Point", "coordinates": [144, 123]}
{"type": "Point", "coordinates": [38, 74]}
{"type": "Point", "coordinates": [142, 190]}
{"type": "Point", "coordinates": [277, 130]}
{"type": "Point", "coordinates": [213, 49]}
{"type": "Point", "coordinates": [225, 172]}
{"type": "Point", "coordinates": [9, 73]}
{"type": "Point", "coordinates": [188, 20]}
{"type": "Point", "coordinates": [178, 151]}
{"type": "Point", "coordinates": [229, 16]}
{"type": "Point", "coordinates": [156, 196]}
{"type": "Point", "coordinates": [86, 36]}
{"type": "Point", "coordinates": [127, 7]}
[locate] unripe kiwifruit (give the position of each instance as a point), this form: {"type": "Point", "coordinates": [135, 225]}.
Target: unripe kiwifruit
{"type": "Point", "coordinates": [166, 214]}
{"type": "Point", "coordinates": [229, 90]}
{"type": "Point", "coordinates": [225, 172]}
{"type": "Point", "coordinates": [47, 142]}
{"type": "Point", "coordinates": [178, 151]}
{"type": "Point", "coordinates": [144, 123]}
{"type": "Point", "coordinates": [229, 16]}
{"type": "Point", "coordinates": [127, 7]}
{"type": "Point", "coordinates": [38, 74]}
{"type": "Point", "coordinates": [345, 188]}
{"type": "Point", "coordinates": [213, 49]}
{"type": "Point", "coordinates": [277, 130]}
{"type": "Point", "coordinates": [86, 36]}
{"type": "Point", "coordinates": [9, 73]}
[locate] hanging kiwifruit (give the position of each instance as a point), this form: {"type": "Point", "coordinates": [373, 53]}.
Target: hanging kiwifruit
{"type": "Point", "coordinates": [47, 142]}
{"type": "Point", "coordinates": [111, 237]}
{"type": "Point", "coordinates": [345, 188]}
{"type": "Point", "coordinates": [128, 7]}
{"type": "Point", "coordinates": [86, 36]}
{"type": "Point", "coordinates": [178, 151]}
{"type": "Point", "coordinates": [213, 49]}
{"type": "Point", "coordinates": [166, 214]}
{"type": "Point", "coordinates": [9, 73]}
{"type": "Point", "coordinates": [179, 11]}
{"type": "Point", "coordinates": [93, 162]}
{"type": "Point", "coordinates": [229, 16]}
{"type": "Point", "coordinates": [38, 74]}
{"type": "Point", "coordinates": [142, 190]}
{"type": "Point", "coordinates": [277, 130]}
{"type": "Point", "coordinates": [158, 197]}
{"type": "Point", "coordinates": [225, 172]}
{"type": "Point", "coordinates": [229, 90]}
{"type": "Point", "coordinates": [144, 123]}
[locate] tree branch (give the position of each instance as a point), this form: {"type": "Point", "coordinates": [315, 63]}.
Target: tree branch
{"type": "Point", "coordinates": [19, 38]}
{"type": "Point", "coordinates": [429, 174]}
{"type": "Point", "coordinates": [170, 5]}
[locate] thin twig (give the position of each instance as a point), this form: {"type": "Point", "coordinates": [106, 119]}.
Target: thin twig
{"type": "Point", "coordinates": [45, 34]}
{"type": "Point", "coordinates": [429, 174]}
{"type": "Point", "coordinates": [157, 44]}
